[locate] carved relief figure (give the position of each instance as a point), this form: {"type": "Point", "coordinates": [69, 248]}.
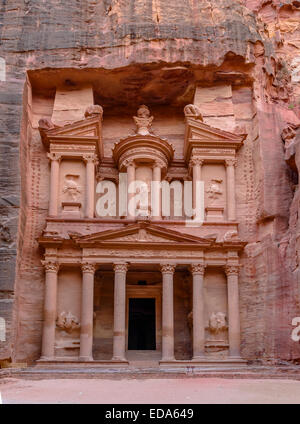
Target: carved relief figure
{"type": "Point", "coordinates": [71, 187]}
{"type": "Point", "coordinates": [214, 189]}
{"type": "Point", "coordinates": [143, 120]}
{"type": "Point", "coordinates": [217, 322]}
{"type": "Point", "coordinates": [67, 321]}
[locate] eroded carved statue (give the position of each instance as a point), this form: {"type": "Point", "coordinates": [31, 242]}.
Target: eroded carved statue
{"type": "Point", "coordinates": [231, 235]}
{"type": "Point", "coordinates": [217, 322]}
{"type": "Point", "coordinates": [192, 111]}
{"type": "Point", "coordinates": [214, 189]}
{"type": "Point", "coordinates": [71, 188]}
{"type": "Point", "coordinates": [143, 120]}
{"type": "Point", "coordinates": [46, 124]}
{"type": "Point", "coordinates": [67, 321]}
{"type": "Point", "coordinates": [93, 110]}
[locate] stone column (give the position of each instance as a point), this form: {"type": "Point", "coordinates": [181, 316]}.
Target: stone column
{"type": "Point", "coordinates": [130, 180]}
{"type": "Point", "coordinates": [198, 311]}
{"type": "Point", "coordinates": [232, 272]}
{"type": "Point", "coordinates": [119, 311]}
{"type": "Point", "coordinates": [156, 195]}
{"type": "Point", "coordinates": [230, 177]}
{"type": "Point", "coordinates": [48, 339]}
{"type": "Point", "coordinates": [196, 165]}
{"type": "Point", "coordinates": [167, 313]}
{"type": "Point", "coordinates": [90, 161]}
{"type": "Point", "coordinates": [54, 183]}
{"type": "Point", "coordinates": [87, 311]}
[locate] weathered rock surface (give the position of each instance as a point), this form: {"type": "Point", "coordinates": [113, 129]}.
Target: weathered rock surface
{"type": "Point", "coordinates": [251, 45]}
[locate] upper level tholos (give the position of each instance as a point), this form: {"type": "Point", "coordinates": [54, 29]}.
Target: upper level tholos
{"type": "Point", "coordinates": [142, 177]}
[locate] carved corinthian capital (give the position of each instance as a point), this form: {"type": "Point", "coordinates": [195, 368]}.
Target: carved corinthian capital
{"type": "Point", "coordinates": [90, 158]}
{"type": "Point", "coordinates": [88, 267]}
{"type": "Point", "coordinates": [50, 266]}
{"type": "Point", "coordinates": [167, 268]}
{"type": "Point", "coordinates": [232, 269]}
{"type": "Point", "coordinates": [197, 269]}
{"type": "Point", "coordinates": [196, 161]}
{"type": "Point", "coordinates": [54, 156]}
{"type": "Point", "coordinates": [120, 267]}
{"type": "Point", "coordinates": [230, 162]}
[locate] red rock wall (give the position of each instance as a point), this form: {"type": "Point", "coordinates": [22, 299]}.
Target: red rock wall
{"type": "Point", "coordinates": [250, 44]}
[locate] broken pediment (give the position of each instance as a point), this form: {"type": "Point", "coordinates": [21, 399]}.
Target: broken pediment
{"type": "Point", "coordinates": [198, 134]}
{"type": "Point", "coordinates": [86, 131]}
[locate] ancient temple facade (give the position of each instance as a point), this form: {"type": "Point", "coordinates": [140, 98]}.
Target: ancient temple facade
{"type": "Point", "coordinates": [140, 247]}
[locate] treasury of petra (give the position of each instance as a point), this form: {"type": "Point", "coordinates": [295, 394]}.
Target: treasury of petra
{"type": "Point", "coordinates": [149, 183]}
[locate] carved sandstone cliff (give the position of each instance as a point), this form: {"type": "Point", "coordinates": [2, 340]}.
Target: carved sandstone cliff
{"type": "Point", "coordinates": [150, 47]}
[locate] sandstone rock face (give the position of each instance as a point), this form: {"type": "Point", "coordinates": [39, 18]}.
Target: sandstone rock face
{"type": "Point", "coordinates": [240, 58]}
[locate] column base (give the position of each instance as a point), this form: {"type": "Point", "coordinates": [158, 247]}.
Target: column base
{"type": "Point", "coordinates": [85, 358]}
{"type": "Point", "coordinates": [199, 358]}
{"type": "Point", "coordinates": [46, 358]}
{"type": "Point", "coordinates": [119, 359]}
{"type": "Point", "coordinates": [171, 359]}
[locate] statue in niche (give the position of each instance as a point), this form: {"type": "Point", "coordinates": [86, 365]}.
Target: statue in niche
{"type": "Point", "coordinates": [214, 189]}
{"type": "Point", "coordinates": [71, 187]}
{"type": "Point", "coordinates": [67, 321]}
{"type": "Point", "coordinates": [143, 120]}
{"type": "Point", "coordinates": [217, 322]}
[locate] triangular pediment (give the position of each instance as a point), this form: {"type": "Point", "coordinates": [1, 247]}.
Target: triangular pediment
{"type": "Point", "coordinates": [198, 131]}
{"type": "Point", "coordinates": [141, 233]}
{"type": "Point", "coordinates": [86, 130]}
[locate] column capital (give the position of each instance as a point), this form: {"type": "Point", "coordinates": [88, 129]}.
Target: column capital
{"type": "Point", "coordinates": [167, 268]}
{"type": "Point", "coordinates": [158, 164]}
{"type": "Point", "coordinates": [197, 269]}
{"type": "Point", "coordinates": [230, 162]}
{"type": "Point", "coordinates": [129, 162]}
{"type": "Point", "coordinates": [88, 267]}
{"type": "Point", "coordinates": [90, 157]}
{"type": "Point", "coordinates": [196, 161]}
{"type": "Point", "coordinates": [120, 267]}
{"type": "Point", "coordinates": [51, 265]}
{"type": "Point", "coordinates": [232, 269]}
{"type": "Point", "coordinates": [54, 156]}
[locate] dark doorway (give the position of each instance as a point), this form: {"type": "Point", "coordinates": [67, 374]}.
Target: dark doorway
{"type": "Point", "coordinates": [141, 326]}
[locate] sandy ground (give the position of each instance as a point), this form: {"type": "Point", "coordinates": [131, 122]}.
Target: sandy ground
{"type": "Point", "coordinates": [181, 390]}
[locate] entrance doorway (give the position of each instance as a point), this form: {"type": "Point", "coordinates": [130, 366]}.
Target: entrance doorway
{"type": "Point", "coordinates": [141, 325]}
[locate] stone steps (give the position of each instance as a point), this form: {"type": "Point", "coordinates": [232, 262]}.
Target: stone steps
{"type": "Point", "coordinates": [142, 372]}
